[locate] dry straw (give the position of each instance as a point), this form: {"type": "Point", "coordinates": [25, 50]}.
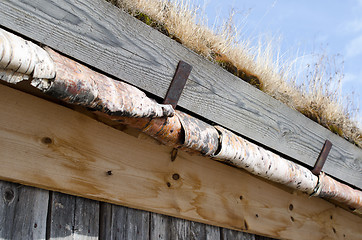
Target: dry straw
{"type": "Point", "coordinates": [318, 97]}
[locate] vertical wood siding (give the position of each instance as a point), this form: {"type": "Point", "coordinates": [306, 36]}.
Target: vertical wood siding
{"type": "Point", "coordinates": [32, 213]}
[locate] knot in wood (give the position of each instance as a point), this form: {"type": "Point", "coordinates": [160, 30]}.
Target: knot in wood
{"type": "Point", "coordinates": [9, 195]}
{"type": "Point", "coordinates": [47, 140]}
{"type": "Point", "coordinates": [175, 176]}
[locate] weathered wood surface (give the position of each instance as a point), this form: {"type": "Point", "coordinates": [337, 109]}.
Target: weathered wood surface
{"type": "Point", "coordinates": [127, 223]}
{"type": "Point", "coordinates": [124, 223]}
{"type": "Point", "coordinates": [72, 217]}
{"type": "Point", "coordinates": [59, 149]}
{"type": "Point", "coordinates": [165, 227]}
{"type": "Point", "coordinates": [97, 33]}
{"type": "Point", "coordinates": [232, 234]}
{"type": "Point", "coordinates": [23, 212]}
{"type": "Point", "coordinates": [76, 218]}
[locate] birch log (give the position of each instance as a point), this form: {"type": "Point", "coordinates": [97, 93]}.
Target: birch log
{"type": "Point", "coordinates": [20, 58]}
{"type": "Point", "coordinates": [76, 84]}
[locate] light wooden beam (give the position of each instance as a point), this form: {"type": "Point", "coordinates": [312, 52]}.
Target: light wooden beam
{"type": "Point", "coordinates": [99, 34]}
{"type": "Point", "coordinates": [49, 146]}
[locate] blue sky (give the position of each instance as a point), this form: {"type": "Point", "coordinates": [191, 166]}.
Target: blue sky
{"type": "Point", "coordinates": [305, 27]}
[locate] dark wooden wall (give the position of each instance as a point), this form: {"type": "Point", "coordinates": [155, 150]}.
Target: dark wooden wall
{"type": "Point", "coordinates": [32, 213]}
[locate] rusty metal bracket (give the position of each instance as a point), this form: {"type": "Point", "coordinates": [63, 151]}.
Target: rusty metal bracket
{"type": "Point", "coordinates": [322, 158]}
{"type": "Point", "coordinates": [178, 82]}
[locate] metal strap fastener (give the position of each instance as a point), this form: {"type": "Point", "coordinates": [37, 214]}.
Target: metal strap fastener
{"type": "Point", "coordinates": [177, 84]}
{"type": "Point", "coordinates": [174, 91]}
{"type": "Point", "coordinates": [322, 158]}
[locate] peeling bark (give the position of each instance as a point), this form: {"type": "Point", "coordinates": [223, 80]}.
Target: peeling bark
{"type": "Point", "coordinates": [244, 154]}
{"type": "Point", "coordinates": [23, 58]}
{"type": "Point", "coordinates": [199, 135]}
{"type": "Point", "coordinates": [76, 84]}
{"type": "Point", "coordinates": [331, 189]}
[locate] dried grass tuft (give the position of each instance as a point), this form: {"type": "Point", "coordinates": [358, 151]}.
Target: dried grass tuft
{"type": "Point", "coordinates": [319, 97]}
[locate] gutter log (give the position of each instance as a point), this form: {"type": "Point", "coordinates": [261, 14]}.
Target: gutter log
{"type": "Point", "coordinates": [74, 83]}
{"type": "Point", "coordinates": [258, 161]}
{"type": "Point", "coordinates": [77, 84]}
{"type": "Point", "coordinates": [20, 58]}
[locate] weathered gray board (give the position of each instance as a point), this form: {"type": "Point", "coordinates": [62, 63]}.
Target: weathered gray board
{"type": "Point", "coordinates": [23, 211]}
{"type": "Point", "coordinates": [72, 216]}
{"type": "Point", "coordinates": [32, 213]}
{"type": "Point", "coordinates": [97, 33]}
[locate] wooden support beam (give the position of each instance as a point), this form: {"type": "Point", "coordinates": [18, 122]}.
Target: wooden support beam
{"type": "Point", "coordinates": [24, 215]}
{"type": "Point", "coordinates": [49, 146]}
{"type": "Point", "coordinates": [99, 34]}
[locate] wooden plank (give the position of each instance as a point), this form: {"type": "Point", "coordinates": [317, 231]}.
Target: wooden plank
{"type": "Point", "coordinates": [212, 232]}
{"type": "Point", "coordinates": [124, 223]}
{"type": "Point", "coordinates": [137, 223]}
{"type": "Point", "coordinates": [232, 234]}
{"type": "Point", "coordinates": [257, 237]}
{"type": "Point", "coordinates": [86, 220]}
{"type": "Point", "coordinates": [61, 224]}
{"type": "Point", "coordinates": [228, 234]}
{"type": "Point", "coordinates": [23, 211]}
{"type": "Point", "coordinates": [198, 231]}
{"type": "Point", "coordinates": [179, 229]}
{"type": "Point", "coordinates": [203, 231]}
{"type": "Point", "coordinates": [159, 227]}
{"type": "Point", "coordinates": [105, 220]}
{"type": "Point", "coordinates": [73, 218]}
{"type": "Point", "coordinates": [7, 208]}
{"type": "Point", "coordinates": [165, 227]}
{"type": "Point", "coordinates": [71, 214]}
{"type": "Point", "coordinates": [59, 149]}
{"type": "Point", "coordinates": [106, 38]}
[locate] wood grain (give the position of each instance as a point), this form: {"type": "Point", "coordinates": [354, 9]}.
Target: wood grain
{"type": "Point", "coordinates": [23, 211]}
{"type": "Point", "coordinates": [62, 222]}
{"type": "Point", "coordinates": [105, 220]}
{"type": "Point", "coordinates": [86, 220]}
{"type": "Point", "coordinates": [59, 149]}
{"type": "Point", "coordinates": [165, 227]}
{"type": "Point", "coordinates": [128, 223]}
{"type": "Point", "coordinates": [98, 34]}
{"type": "Point", "coordinates": [231, 234]}
{"type": "Point", "coordinates": [73, 217]}
{"type": "Point", "coordinates": [159, 227]}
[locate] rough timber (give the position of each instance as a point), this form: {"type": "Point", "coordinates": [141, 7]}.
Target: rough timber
{"type": "Point", "coordinates": [46, 145]}
{"type": "Point", "coordinates": [106, 38]}
{"type": "Point", "coordinates": [32, 213]}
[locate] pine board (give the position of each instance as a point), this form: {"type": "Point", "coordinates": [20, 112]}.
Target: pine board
{"type": "Point", "coordinates": [76, 218]}
{"type": "Point", "coordinates": [79, 151]}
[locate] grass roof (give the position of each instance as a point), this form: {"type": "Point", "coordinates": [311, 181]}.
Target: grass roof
{"type": "Point", "coordinates": [319, 97]}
